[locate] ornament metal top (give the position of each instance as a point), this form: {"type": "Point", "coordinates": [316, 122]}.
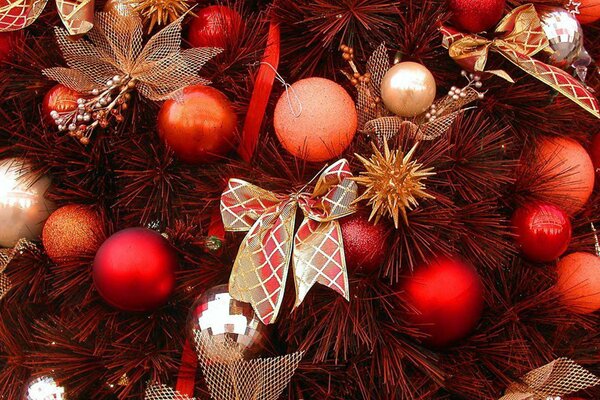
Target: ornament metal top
{"type": "Point", "coordinates": [112, 62]}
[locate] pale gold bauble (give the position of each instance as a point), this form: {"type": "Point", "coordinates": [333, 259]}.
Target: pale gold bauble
{"type": "Point", "coordinates": [408, 89]}
{"type": "Point", "coordinates": [123, 8]}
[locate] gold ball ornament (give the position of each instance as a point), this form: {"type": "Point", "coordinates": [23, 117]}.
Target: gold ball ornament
{"type": "Point", "coordinates": [123, 8]}
{"type": "Point", "coordinates": [408, 89]}
{"type": "Point", "coordinates": [23, 207]}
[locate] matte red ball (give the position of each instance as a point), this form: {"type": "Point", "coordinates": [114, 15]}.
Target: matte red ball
{"type": "Point", "coordinates": [214, 26]}
{"type": "Point", "coordinates": [199, 128]}
{"type": "Point", "coordinates": [61, 99]}
{"type": "Point", "coordinates": [476, 15]}
{"type": "Point", "coordinates": [578, 282]}
{"type": "Point", "coordinates": [447, 295]}
{"type": "Point", "coordinates": [365, 244]}
{"type": "Point", "coordinates": [589, 11]}
{"type": "Point", "coordinates": [134, 270]}
{"type": "Point", "coordinates": [543, 231]}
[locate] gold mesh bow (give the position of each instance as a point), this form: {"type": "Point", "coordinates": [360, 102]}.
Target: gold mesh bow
{"type": "Point", "coordinates": [518, 37]}
{"type": "Point", "coordinates": [557, 378]}
{"type": "Point", "coordinates": [76, 15]}
{"type": "Point", "coordinates": [261, 267]}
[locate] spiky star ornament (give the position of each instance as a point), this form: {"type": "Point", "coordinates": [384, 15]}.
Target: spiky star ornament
{"type": "Point", "coordinates": [159, 12]}
{"type": "Point", "coordinates": [393, 181]}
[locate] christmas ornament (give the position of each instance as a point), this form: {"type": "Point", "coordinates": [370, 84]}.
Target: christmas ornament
{"type": "Point", "coordinates": [569, 170]}
{"type": "Point", "coordinates": [566, 39]}
{"type": "Point", "coordinates": [219, 318]}
{"type": "Point", "coordinates": [44, 387]}
{"type": "Point", "coordinates": [594, 152]}
{"type": "Point", "coordinates": [315, 119]}
{"type": "Point", "coordinates": [518, 37]}
{"type": "Point", "coordinates": [59, 100]}
{"type": "Point", "coordinates": [159, 12]}
{"type": "Point", "coordinates": [71, 231]}
{"type": "Point", "coordinates": [113, 63]}
{"type": "Point", "coordinates": [476, 15]}
{"type": "Point", "coordinates": [447, 297]}
{"type": "Point", "coordinates": [408, 89]}
{"type": "Point", "coordinates": [7, 43]}
{"type": "Point", "coordinates": [376, 120]}
{"type": "Point", "coordinates": [76, 15]}
{"type": "Point", "coordinates": [261, 267]}
{"type": "Point", "coordinates": [589, 11]}
{"type": "Point", "coordinates": [543, 231]}
{"type": "Point", "coordinates": [201, 126]}
{"type": "Point", "coordinates": [214, 26]}
{"type": "Point", "coordinates": [551, 381]}
{"type": "Point", "coordinates": [365, 244]}
{"type": "Point", "coordinates": [393, 181]}
{"type": "Point", "coordinates": [120, 7]}
{"type": "Point", "coordinates": [578, 281]}
{"type": "Point", "coordinates": [23, 207]}
{"type": "Point", "coordinates": [134, 270]}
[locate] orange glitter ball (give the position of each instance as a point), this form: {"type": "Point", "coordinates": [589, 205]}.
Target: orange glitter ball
{"type": "Point", "coordinates": [72, 231]}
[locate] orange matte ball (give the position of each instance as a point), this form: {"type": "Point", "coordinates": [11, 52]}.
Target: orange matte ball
{"type": "Point", "coordinates": [579, 282]}
{"type": "Point", "coordinates": [201, 127]}
{"type": "Point", "coordinates": [72, 231]}
{"type": "Point", "coordinates": [589, 11]}
{"type": "Point", "coordinates": [316, 119]}
{"type": "Point", "coordinates": [569, 170]}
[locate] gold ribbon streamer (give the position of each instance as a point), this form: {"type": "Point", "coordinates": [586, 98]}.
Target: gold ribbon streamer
{"type": "Point", "coordinates": [557, 378]}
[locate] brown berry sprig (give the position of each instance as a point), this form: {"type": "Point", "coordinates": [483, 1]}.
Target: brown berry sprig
{"type": "Point", "coordinates": [357, 77]}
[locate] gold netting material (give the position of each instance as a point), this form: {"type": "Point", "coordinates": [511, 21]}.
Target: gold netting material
{"type": "Point", "coordinates": [229, 377]}
{"type": "Point", "coordinates": [557, 378]}
{"type": "Point", "coordinates": [163, 392]}
{"type": "Point", "coordinates": [6, 256]}
{"type": "Point", "coordinates": [160, 69]}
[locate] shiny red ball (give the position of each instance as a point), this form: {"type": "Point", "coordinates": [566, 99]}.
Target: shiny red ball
{"type": "Point", "coordinates": [214, 26]}
{"type": "Point", "coordinates": [61, 99]}
{"type": "Point", "coordinates": [476, 15]}
{"type": "Point", "coordinates": [199, 128]}
{"type": "Point", "coordinates": [364, 243]}
{"type": "Point", "coordinates": [543, 231]}
{"type": "Point", "coordinates": [447, 297]}
{"type": "Point", "coordinates": [134, 270]}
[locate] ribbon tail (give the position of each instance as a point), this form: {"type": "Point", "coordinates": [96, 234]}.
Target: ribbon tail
{"type": "Point", "coordinates": [319, 258]}
{"type": "Point", "coordinates": [556, 78]}
{"type": "Point", "coordinates": [261, 267]}
{"type": "Point", "coordinates": [77, 16]}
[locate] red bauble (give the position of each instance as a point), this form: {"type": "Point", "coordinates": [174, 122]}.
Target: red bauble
{"type": "Point", "coordinates": [589, 11]}
{"type": "Point", "coordinates": [364, 243]}
{"type": "Point", "coordinates": [543, 231]}
{"type": "Point", "coordinates": [595, 152]}
{"type": "Point", "coordinates": [72, 231]}
{"type": "Point", "coordinates": [7, 44]}
{"type": "Point", "coordinates": [134, 270]}
{"type": "Point", "coordinates": [61, 99]}
{"type": "Point", "coordinates": [199, 128]}
{"type": "Point", "coordinates": [578, 282]}
{"type": "Point", "coordinates": [447, 296]}
{"type": "Point", "coordinates": [476, 15]}
{"type": "Point", "coordinates": [214, 26]}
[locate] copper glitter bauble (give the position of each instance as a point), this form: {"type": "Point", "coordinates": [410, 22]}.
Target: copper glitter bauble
{"type": "Point", "coordinates": [217, 319]}
{"type": "Point", "coordinates": [23, 206]}
{"type": "Point", "coordinates": [408, 89]}
{"type": "Point", "coordinates": [315, 120]}
{"type": "Point", "coordinates": [578, 281]}
{"type": "Point", "coordinates": [60, 99]}
{"type": "Point", "coordinates": [201, 127]}
{"type": "Point", "coordinates": [44, 388]}
{"type": "Point", "coordinates": [72, 231]}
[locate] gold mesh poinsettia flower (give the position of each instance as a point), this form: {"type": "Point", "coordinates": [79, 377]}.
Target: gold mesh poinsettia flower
{"type": "Point", "coordinates": [113, 60]}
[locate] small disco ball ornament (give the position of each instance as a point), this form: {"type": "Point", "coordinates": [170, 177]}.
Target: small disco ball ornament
{"type": "Point", "coordinates": [218, 322]}
{"type": "Point", "coordinates": [44, 388]}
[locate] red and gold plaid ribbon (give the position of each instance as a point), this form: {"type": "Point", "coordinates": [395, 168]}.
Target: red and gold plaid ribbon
{"type": "Point", "coordinates": [76, 15]}
{"type": "Point", "coordinates": [261, 267]}
{"type": "Point", "coordinates": [518, 37]}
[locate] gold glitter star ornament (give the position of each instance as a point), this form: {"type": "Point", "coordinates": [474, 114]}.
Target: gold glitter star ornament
{"type": "Point", "coordinates": [393, 182]}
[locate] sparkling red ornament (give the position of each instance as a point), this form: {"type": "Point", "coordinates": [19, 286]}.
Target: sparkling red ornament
{"type": "Point", "coordinates": [200, 127]}
{"type": "Point", "coordinates": [543, 231]}
{"type": "Point", "coordinates": [589, 11]}
{"type": "Point", "coordinates": [365, 244]}
{"type": "Point", "coordinates": [134, 270]}
{"type": "Point", "coordinates": [61, 99]}
{"type": "Point", "coordinates": [447, 298]}
{"type": "Point", "coordinates": [214, 26]}
{"type": "Point", "coordinates": [71, 231]}
{"type": "Point", "coordinates": [476, 15]}
{"type": "Point", "coordinates": [578, 282]}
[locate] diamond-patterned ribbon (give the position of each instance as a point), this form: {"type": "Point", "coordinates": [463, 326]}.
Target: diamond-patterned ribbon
{"type": "Point", "coordinates": [76, 15]}
{"type": "Point", "coordinates": [261, 267]}
{"type": "Point", "coordinates": [557, 378]}
{"type": "Point", "coordinates": [6, 256]}
{"type": "Point", "coordinates": [518, 37]}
